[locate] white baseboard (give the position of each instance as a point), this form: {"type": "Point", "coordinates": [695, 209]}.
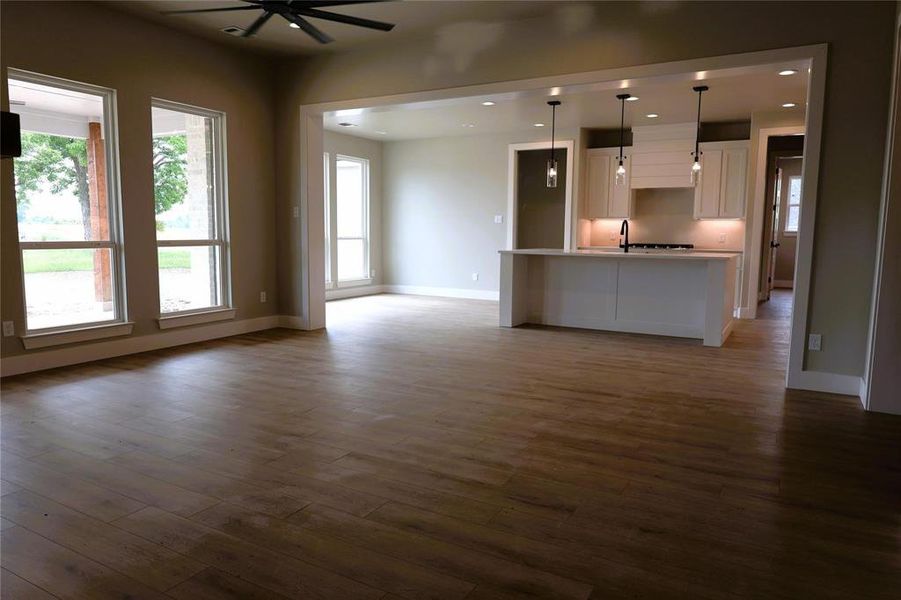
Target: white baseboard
{"type": "Point", "coordinates": [50, 359]}
{"type": "Point", "coordinates": [743, 312]}
{"type": "Point", "coordinates": [833, 383]}
{"type": "Point", "coordinates": [783, 283]}
{"type": "Point", "coordinates": [418, 290]}
{"type": "Point", "coordinates": [353, 292]}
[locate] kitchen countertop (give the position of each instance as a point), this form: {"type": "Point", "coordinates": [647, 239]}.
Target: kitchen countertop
{"type": "Point", "coordinates": [632, 254]}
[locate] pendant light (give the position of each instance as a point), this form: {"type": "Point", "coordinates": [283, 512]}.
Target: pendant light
{"type": "Point", "coordinates": [696, 167]}
{"type": "Point", "coordinates": [621, 170]}
{"type": "Point", "coordinates": [552, 163]}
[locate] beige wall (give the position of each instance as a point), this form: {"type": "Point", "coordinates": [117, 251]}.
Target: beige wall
{"type": "Point", "coordinates": [860, 37]}
{"type": "Point", "coordinates": [93, 44]}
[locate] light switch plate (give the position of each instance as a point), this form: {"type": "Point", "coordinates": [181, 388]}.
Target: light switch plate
{"type": "Point", "coordinates": [475, 276]}
{"type": "Point", "coordinates": [9, 328]}
{"type": "Point", "coordinates": [815, 342]}
{"type": "Point", "coordinates": [498, 219]}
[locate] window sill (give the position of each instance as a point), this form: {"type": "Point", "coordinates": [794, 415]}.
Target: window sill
{"type": "Point", "coordinates": [350, 283]}
{"type": "Point", "coordinates": [35, 341]}
{"type": "Point", "coordinates": [196, 318]}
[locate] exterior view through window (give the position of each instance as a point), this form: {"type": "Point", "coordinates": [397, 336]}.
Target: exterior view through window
{"type": "Point", "coordinates": [67, 202]}
{"type": "Point", "coordinates": [347, 221]}
{"type": "Point", "coordinates": [793, 208]}
{"type": "Point", "coordinates": [189, 202]}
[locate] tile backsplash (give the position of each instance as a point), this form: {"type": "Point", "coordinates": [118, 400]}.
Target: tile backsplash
{"type": "Point", "coordinates": [665, 216]}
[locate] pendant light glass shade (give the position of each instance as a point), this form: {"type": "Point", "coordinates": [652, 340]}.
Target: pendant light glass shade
{"type": "Point", "coordinates": [696, 166]}
{"type": "Point", "coordinates": [552, 162]}
{"type": "Point", "coordinates": [620, 178]}
{"type": "Point", "coordinates": [620, 174]}
{"type": "Point", "coordinates": [552, 173]}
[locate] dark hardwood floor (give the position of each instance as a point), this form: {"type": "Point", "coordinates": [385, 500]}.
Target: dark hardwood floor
{"type": "Point", "coordinates": [416, 450]}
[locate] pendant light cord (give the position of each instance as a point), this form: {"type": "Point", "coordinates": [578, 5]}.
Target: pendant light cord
{"type": "Point", "coordinates": [698, 131]}
{"type": "Point", "coordinates": [553, 127]}
{"type": "Point", "coordinates": [622, 124]}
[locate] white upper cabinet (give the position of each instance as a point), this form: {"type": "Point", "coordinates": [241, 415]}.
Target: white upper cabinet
{"type": "Point", "coordinates": [722, 185]}
{"type": "Point", "coordinates": [603, 198]}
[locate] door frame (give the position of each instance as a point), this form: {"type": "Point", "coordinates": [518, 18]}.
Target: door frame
{"type": "Point", "coordinates": [304, 193]}
{"type": "Point", "coordinates": [512, 166]}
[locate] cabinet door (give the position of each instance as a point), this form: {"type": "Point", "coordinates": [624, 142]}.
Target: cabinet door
{"type": "Point", "coordinates": [709, 186]}
{"type": "Point", "coordinates": [735, 172]}
{"type": "Point", "coordinates": [620, 196]}
{"type": "Point", "coordinates": [598, 189]}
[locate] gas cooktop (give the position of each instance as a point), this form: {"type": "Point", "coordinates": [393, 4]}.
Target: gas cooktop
{"type": "Point", "coordinates": [656, 246]}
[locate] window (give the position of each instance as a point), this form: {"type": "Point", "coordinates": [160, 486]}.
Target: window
{"type": "Point", "coordinates": [793, 208]}
{"type": "Point", "coordinates": [190, 206]}
{"type": "Point", "coordinates": [67, 203]}
{"type": "Point", "coordinates": [347, 253]}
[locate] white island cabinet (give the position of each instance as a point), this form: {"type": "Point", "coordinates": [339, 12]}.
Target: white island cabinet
{"type": "Point", "coordinates": [674, 294]}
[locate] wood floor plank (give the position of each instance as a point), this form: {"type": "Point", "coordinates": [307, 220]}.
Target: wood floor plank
{"type": "Point", "coordinates": [128, 554]}
{"type": "Point", "coordinates": [142, 488]}
{"type": "Point", "coordinates": [259, 565]}
{"type": "Point", "coordinates": [417, 450]}
{"type": "Point", "coordinates": [379, 570]}
{"type": "Point", "coordinates": [68, 489]}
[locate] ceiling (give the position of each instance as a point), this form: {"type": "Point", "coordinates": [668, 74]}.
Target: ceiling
{"type": "Point", "coordinates": [732, 97]}
{"type": "Point", "coordinates": [410, 17]}
{"type": "Point", "coordinates": [34, 97]}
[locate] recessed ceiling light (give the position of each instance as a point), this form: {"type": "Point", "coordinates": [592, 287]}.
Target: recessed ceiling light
{"type": "Point", "coordinates": [631, 98]}
{"type": "Point", "coordinates": [293, 25]}
{"type": "Point", "coordinates": [382, 132]}
{"type": "Point", "coordinates": [652, 115]}
{"type": "Point", "coordinates": [789, 105]}
{"type": "Point", "coordinates": [468, 125]}
{"type": "Point", "coordinates": [538, 124]}
{"type": "Point", "coordinates": [347, 125]}
{"type": "Point", "coordinates": [488, 103]}
{"type": "Point", "coordinates": [785, 72]}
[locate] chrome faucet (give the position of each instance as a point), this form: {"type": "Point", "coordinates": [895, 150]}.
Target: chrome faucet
{"type": "Point", "coordinates": [624, 230]}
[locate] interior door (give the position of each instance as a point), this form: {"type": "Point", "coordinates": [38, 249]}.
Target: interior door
{"type": "Point", "coordinates": [774, 232]}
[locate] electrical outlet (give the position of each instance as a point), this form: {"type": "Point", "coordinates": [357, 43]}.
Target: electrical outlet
{"type": "Point", "coordinates": [262, 296]}
{"type": "Point", "coordinates": [498, 219]}
{"type": "Point", "coordinates": [815, 342]}
{"type": "Point", "coordinates": [296, 212]}
{"type": "Point", "coordinates": [475, 276]}
{"type": "Point", "coordinates": [722, 238]}
{"type": "Point", "coordinates": [9, 328]}
{"type": "Point", "coordinates": [372, 274]}
{"type": "Point", "coordinates": [612, 234]}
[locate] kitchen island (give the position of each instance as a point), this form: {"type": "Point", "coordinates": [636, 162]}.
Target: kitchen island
{"type": "Point", "coordinates": [680, 294]}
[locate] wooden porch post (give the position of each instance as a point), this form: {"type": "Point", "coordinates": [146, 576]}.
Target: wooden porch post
{"type": "Point", "coordinates": [97, 192]}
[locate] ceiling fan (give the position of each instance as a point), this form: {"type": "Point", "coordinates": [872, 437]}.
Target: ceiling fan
{"type": "Point", "coordinates": [294, 12]}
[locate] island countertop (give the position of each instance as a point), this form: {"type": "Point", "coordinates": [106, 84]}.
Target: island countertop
{"type": "Point", "coordinates": [632, 254]}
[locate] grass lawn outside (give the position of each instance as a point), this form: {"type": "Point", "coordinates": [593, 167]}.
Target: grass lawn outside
{"type": "Point", "coordinates": [49, 261]}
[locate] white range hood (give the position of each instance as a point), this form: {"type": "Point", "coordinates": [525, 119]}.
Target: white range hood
{"type": "Point", "coordinates": [662, 156]}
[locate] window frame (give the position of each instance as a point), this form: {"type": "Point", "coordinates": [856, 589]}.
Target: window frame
{"type": "Point", "coordinates": [366, 237]}
{"type": "Point", "coordinates": [222, 238]}
{"type": "Point", "coordinates": [788, 204]}
{"type": "Point", "coordinates": [327, 225]}
{"type": "Point", "coordinates": [115, 244]}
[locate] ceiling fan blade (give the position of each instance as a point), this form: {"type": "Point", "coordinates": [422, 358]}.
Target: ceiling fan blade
{"type": "Point", "coordinates": [255, 26]}
{"type": "Point", "coordinates": [206, 10]}
{"type": "Point", "coordinates": [311, 30]}
{"type": "Point", "coordinates": [317, 4]}
{"type": "Point", "coordinates": [329, 16]}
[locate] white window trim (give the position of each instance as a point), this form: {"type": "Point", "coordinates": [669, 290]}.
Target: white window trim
{"type": "Point", "coordinates": [45, 336]}
{"type": "Point", "coordinates": [33, 341]}
{"type": "Point", "coordinates": [196, 317]}
{"type": "Point", "coordinates": [327, 223]}
{"type": "Point", "coordinates": [366, 227]}
{"type": "Point", "coordinates": [222, 238]}
{"type": "Point", "coordinates": [788, 205]}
